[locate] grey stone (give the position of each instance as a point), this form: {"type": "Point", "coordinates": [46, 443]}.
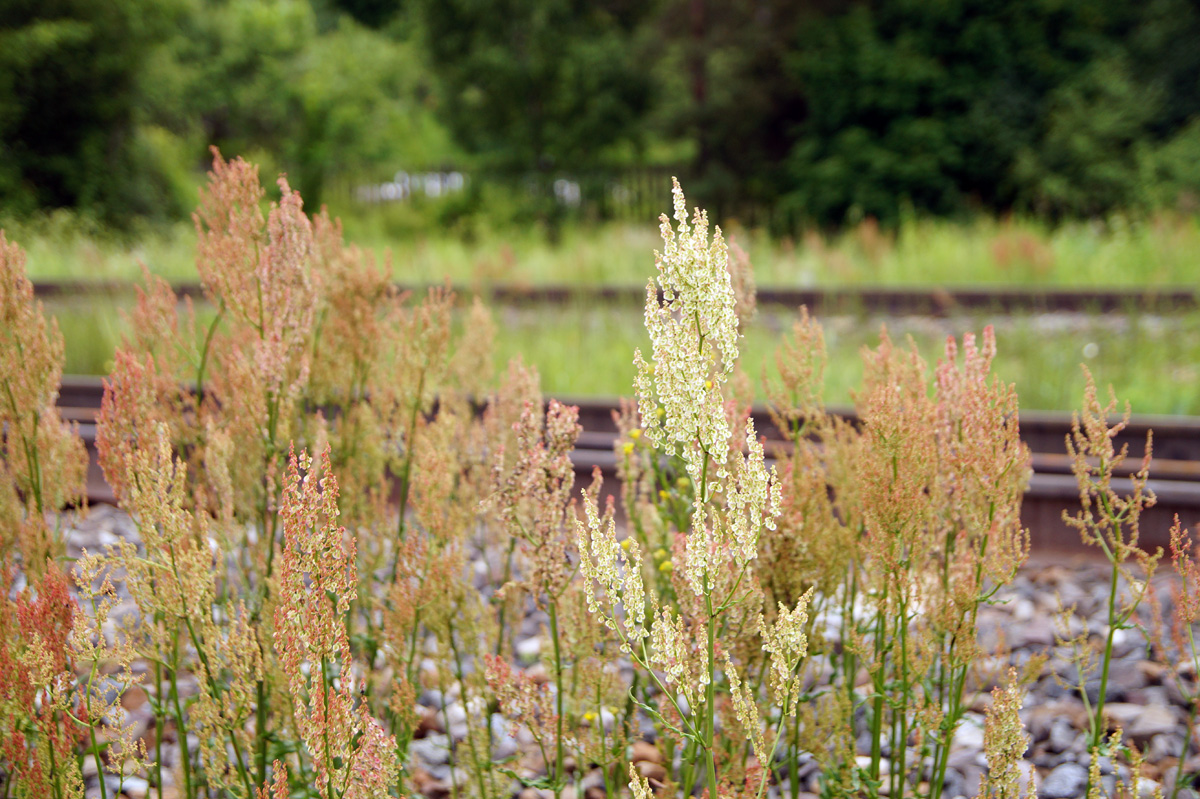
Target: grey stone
{"type": "Point", "coordinates": [1142, 722]}
{"type": "Point", "coordinates": [432, 698]}
{"type": "Point", "coordinates": [1127, 673]}
{"type": "Point", "coordinates": [1037, 633]}
{"type": "Point", "coordinates": [1150, 695]}
{"type": "Point", "coordinates": [1066, 781]}
{"type": "Point", "coordinates": [135, 787]}
{"type": "Point", "coordinates": [1147, 789]}
{"type": "Point", "coordinates": [1062, 736]}
{"type": "Point", "coordinates": [529, 649]}
{"type": "Point", "coordinates": [440, 772]}
{"type": "Point", "coordinates": [954, 785]}
{"type": "Point", "coordinates": [972, 779]}
{"type": "Point", "coordinates": [432, 750]}
{"type": "Point", "coordinates": [1177, 697]}
{"type": "Point", "coordinates": [504, 744]}
{"type": "Point", "coordinates": [1040, 717]}
{"type": "Point", "coordinates": [962, 759]}
{"type": "Point", "coordinates": [969, 734]}
{"type": "Point", "coordinates": [1113, 691]}
{"type": "Point", "coordinates": [1163, 746]}
{"type": "Point", "coordinates": [1051, 760]}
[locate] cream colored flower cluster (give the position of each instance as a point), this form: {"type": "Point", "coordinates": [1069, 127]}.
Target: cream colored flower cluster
{"type": "Point", "coordinates": [617, 570]}
{"type": "Point", "coordinates": [787, 642]}
{"type": "Point", "coordinates": [751, 503]}
{"type": "Point", "coordinates": [674, 653]}
{"type": "Point", "coordinates": [694, 332]}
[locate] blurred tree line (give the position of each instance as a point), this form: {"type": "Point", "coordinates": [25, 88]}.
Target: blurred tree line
{"type": "Point", "coordinates": [828, 109]}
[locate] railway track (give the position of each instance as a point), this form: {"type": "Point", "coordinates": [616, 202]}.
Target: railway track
{"type": "Point", "coordinates": [927, 301]}
{"type": "Point", "coordinates": [1175, 472]}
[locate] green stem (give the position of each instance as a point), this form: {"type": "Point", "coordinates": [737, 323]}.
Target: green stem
{"type": "Point", "coordinates": [211, 679]}
{"type": "Point", "coordinates": [793, 756]}
{"type": "Point", "coordinates": [58, 792]}
{"type": "Point", "coordinates": [95, 747]}
{"type": "Point", "coordinates": [212, 329]}
{"type": "Point", "coordinates": [710, 704]}
{"type": "Point", "coordinates": [180, 725]}
{"type": "Point", "coordinates": [900, 747]}
{"type": "Point", "coordinates": [260, 730]}
{"type": "Point", "coordinates": [1180, 776]}
{"type": "Point", "coordinates": [691, 744]}
{"type": "Point", "coordinates": [260, 688]}
{"type": "Point", "coordinates": [503, 611]}
{"type": "Point", "coordinates": [325, 684]}
{"type": "Point", "coordinates": [452, 756]}
{"type": "Point", "coordinates": [29, 445]}
{"type": "Point", "coordinates": [1098, 718]}
{"type": "Point", "coordinates": [406, 471]}
{"type": "Point", "coordinates": [410, 668]}
{"type": "Point", "coordinates": [558, 702]}
{"type": "Point", "coordinates": [610, 788]}
{"type": "Point", "coordinates": [478, 768]}
{"type": "Point", "coordinates": [1187, 738]}
{"type": "Point", "coordinates": [879, 688]}
{"type": "Point", "coordinates": [159, 725]}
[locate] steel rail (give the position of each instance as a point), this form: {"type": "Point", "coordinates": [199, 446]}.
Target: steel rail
{"type": "Point", "coordinates": [1052, 490]}
{"type": "Point", "coordinates": [894, 301]}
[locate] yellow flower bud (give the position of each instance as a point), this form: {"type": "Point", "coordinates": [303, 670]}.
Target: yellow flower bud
{"type": "Point", "coordinates": [708, 384]}
{"type": "Point", "coordinates": [589, 716]}
{"type": "Point", "coordinates": [660, 553]}
{"type": "Point", "coordinates": [666, 567]}
{"type": "Point", "coordinates": [635, 433]}
{"type": "Point", "coordinates": [682, 483]}
{"type": "Point", "coordinates": [627, 447]}
{"type": "Point", "coordinates": [663, 495]}
{"type": "Point", "coordinates": [626, 543]}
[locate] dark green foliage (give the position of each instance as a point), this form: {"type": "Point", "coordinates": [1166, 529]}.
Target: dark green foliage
{"type": "Point", "coordinates": [258, 78]}
{"type": "Point", "coordinates": [538, 84]}
{"type": "Point", "coordinates": [69, 87]}
{"type": "Point", "coordinates": [1086, 162]}
{"type": "Point", "coordinates": [1045, 105]}
{"type": "Point", "coordinates": [372, 13]}
{"type": "Point", "coordinates": [724, 89]}
{"type": "Point", "coordinates": [774, 112]}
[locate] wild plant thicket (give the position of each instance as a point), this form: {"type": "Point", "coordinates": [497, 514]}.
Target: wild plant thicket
{"type": "Point", "coordinates": [351, 509]}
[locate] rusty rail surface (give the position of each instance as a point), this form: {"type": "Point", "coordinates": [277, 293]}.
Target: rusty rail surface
{"type": "Point", "coordinates": [923, 301]}
{"type": "Point", "coordinates": [1175, 471]}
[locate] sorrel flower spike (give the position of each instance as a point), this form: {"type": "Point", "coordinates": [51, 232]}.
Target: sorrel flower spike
{"type": "Point", "coordinates": [43, 464]}
{"type": "Point", "coordinates": [352, 757]}
{"type": "Point", "coordinates": [694, 332]}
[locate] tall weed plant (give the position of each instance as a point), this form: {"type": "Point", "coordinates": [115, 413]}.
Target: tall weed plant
{"type": "Point", "coordinates": [341, 510]}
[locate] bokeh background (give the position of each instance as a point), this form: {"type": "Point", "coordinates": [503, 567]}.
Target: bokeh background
{"type": "Point", "coordinates": [916, 143]}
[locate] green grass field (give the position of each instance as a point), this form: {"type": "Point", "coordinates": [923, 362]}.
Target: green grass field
{"type": "Point", "coordinates": [1152, 361]}
{"type": "Point", "coordinates": [1163, 250]}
